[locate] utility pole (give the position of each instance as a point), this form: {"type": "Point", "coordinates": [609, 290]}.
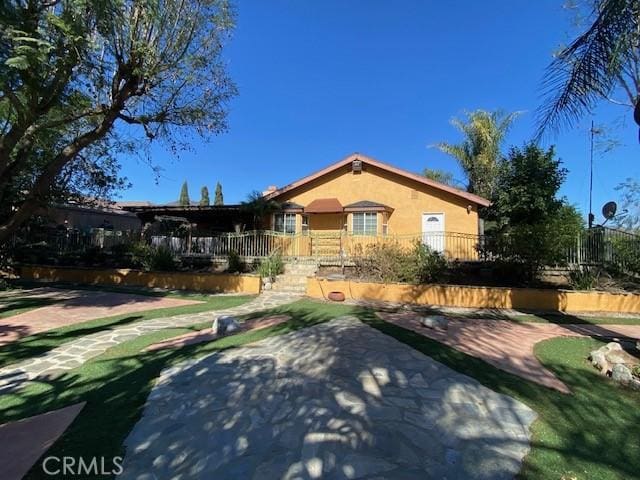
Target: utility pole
{"type": "Point", "coordinates": [591, 217]}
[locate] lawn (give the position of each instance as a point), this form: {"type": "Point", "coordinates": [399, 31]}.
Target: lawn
{"type": "Point", "coordinates": [40, 343]}
{"type": "Point", "coordinates": [10, 306]}
{"type": "Point", "coordinates": [590, 434]}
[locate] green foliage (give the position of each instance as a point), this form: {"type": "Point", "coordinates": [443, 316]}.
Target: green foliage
{"type": "Point", "coordinates": [626, 251]}
{"type": "Point", "coordinates": [161, 259]}
{"type": "Point", "coordinates": [534, 227]}
{"type": "Point", "coordinates": [204, 197]}
{"type": "Point", "coordinates": [72, 71]}
{"type": "Point", "coordinates": [602, 61]}
{"type": "Point", "coordinates": [479, 153]}
{"type": "Point", "coordinates": [630, 193]}
{"type": "Point", "coordinates": [585, 278]}
{"type": "Point", "coordinates": [235, 263]}
{"type": "Point", "coordinates": [393, 263]}
{"type": "Point", "coordinates": [271, 266]}
{"type": "Point", "coordinates": [440, 176]}
{"type": "Point", "coordinates": [259, 207]}
{"type": "Point", "coordinates": [184, 200]}
{"type": "Point", "coordinates": [4, 285]}
{"type": "Point", "coordinates": [218, 198]}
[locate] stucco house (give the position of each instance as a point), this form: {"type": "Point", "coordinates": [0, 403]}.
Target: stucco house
{"type": "Point", "coordinates": [360, 196]}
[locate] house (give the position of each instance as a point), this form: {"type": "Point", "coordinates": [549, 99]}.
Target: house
{"type": "Point", "coordinates": [338, 212]}
{"type": "Point", "coordinates": [359, 196]}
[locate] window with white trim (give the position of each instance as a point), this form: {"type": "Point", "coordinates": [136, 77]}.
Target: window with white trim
{"type": "Point", "coordinates": [284, 222]}
{"type": "Point", "coordinates": [364, 223]}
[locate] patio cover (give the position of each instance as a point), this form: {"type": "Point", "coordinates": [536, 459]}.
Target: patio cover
{"type": "Point", "coordinates": [324, 205]}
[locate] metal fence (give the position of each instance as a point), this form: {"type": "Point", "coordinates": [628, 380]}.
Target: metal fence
{"type": "Point", "coordinates": [603, 246]}
{"type": "Point", "coordinates": [325, 245]}
{"type": "Point", "coordinates": [597, 246]}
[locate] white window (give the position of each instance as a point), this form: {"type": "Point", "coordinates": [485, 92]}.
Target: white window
{"type": "Point", "coordinates": [284, 222]}
{"type": "Point", "coordinates": [305, 224]}
{"type": "Point", "coordinates": [365, 223]}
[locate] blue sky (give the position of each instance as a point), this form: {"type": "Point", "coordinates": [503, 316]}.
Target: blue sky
{"type": "Point", "coordinates": [319, 80]}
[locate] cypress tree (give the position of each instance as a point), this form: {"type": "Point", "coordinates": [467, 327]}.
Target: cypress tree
{"type": "Point", "coordinates": [184, 196]}
{"type": "Point", "coordinates": [218, 200]}
{"type": "Point", "coordinates": [204, 197]}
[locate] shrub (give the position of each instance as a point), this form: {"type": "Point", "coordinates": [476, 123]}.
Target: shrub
{"type": "Point", "coordinates": [271, 266]}
{"type": "Point", "coordinates": [393, 263]}
{"type": "Point", "coordinates": [626, 253]}
{"type": "Point", "coordinates": [583, 278]}
{"type": "Point", "coordinates": [4, 285]}
{"type": "Point", "coordinates": [162, 259]}
{"type": "Point", "coordinates": [235, 263]}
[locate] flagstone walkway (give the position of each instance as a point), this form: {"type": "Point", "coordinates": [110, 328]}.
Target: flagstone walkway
{"type": "Point", "coordinates": [338, 400]}
{"type": "Point", "coordinates": [73, 354]}
{"type": "Point", "coordinates": [74, 306]}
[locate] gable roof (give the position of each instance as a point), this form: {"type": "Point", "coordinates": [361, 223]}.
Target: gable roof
{"type": "Point", "coordinates": [383, 166]}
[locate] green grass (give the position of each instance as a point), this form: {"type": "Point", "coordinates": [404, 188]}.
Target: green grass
{"type": "Point", "coordinates": [10, 306]}
{"type": "Point", "coordinates": [40, 343]}
{"type": "Point", "coordinates": [591, 434]}
{"type": "Point", "coordinates": [115, 385]}
{"type": "Point", "coordinates": [541, 317]}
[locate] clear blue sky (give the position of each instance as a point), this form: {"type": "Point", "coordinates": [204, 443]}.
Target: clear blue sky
{"type": "Point", "coordinates": [321, 79]}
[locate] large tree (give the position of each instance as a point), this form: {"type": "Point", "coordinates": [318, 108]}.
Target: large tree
{"type": "Point", "coordinates": [480, 150]}
{"type": "Point", "coordinates": [72, 70]}
{"type": "Point", "coordinates": [602, 62]}
{"type": "Point", "coordinates": [534, 225]}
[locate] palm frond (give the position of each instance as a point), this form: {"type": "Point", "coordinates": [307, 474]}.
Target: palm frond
{"type": "Point", "coordinates": [586, 70]}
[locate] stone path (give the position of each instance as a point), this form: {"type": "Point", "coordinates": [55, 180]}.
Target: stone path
{"type": "Point", "coordinates": [25, 441]}
{"type": "Point", "coordinates": [73, 354]}
{"type": "Point", "coordinates": [207, 335]}
{"type": "Point", "coordinates": [74, 306]}
{"type": "Point", "coordinates": [338, 400]}
{"type": "Point", "coordinates": [509, 345]}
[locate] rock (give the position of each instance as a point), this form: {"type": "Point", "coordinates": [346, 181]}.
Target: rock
{"type": "Point", "coordinates": [434, 321]}
{"type": "Point", "coordinates": [266, 286]}
{"type": "Point", "coordinates": [225, 325]}
{"type": "Point", "coordinates": [611, 346]}
{"type": "Point", "coordinates": [621, 373]}
{"type": "Point", "coordinates": [599, 360]}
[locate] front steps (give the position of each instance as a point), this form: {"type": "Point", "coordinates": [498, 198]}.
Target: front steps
{"type": "Point", "coordinates": [294, 278]}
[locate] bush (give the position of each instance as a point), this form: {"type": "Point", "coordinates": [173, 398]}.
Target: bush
{"type": "Point", "coordinates": [584, 278]}
{"type": "Point", "coordinates": [4, 285]}
{"type": "Point", "coordinates": [234, 262]}
{"type": "Point", "coordinates": [626, 252]}
{"type": "Point", "coordinates": [393, 263]}
{"type": "Point", "coordinates": [162, 259]}
{"type": "Point", "coordinates": [271, 266]}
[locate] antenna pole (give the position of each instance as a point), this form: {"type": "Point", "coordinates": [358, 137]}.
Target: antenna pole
{"type": "Point", "coordinates": [591, 216]}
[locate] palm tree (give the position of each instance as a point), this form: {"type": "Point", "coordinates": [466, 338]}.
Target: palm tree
{"type": "Point", "coordinates": [259, 207]}
{"type": "Point", "coordinates": [603, 58]}
{"type": "Point", "coordinates": [479, 152]}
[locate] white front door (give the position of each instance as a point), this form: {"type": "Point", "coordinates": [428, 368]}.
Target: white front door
{"type": "Point", "coordinates": [433, 231]}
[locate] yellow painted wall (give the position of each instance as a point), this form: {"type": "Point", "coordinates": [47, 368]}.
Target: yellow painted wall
{"type": "Point", "coordinates": [408, 198]}
{"type": "Point", "coordinates": [199, 282]}
{"type": "Point", "coordinates": [479, 297]}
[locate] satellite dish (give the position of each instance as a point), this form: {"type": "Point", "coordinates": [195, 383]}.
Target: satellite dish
{"type": "Point", "coordinates": [609, 210]}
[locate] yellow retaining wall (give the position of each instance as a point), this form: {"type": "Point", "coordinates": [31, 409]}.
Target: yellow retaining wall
{"type": "Point", "coordinates": [479, 297]}
{"type": "Point", "coordinates": [199, 282]}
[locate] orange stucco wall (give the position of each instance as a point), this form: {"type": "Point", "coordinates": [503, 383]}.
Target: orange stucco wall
{"type": "Point", "coordinates": [408, 198]}
{"type": "Point", "coordinates": [479, 297]}
{"type": "Point", "coordinates": [199, 282]}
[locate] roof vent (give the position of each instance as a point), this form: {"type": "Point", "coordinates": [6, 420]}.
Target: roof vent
{"type": "Point", "coordinates": [356, 166]}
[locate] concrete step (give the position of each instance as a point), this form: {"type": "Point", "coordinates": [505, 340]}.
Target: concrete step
{"type": "Point", "coordinates": [289, 289]}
